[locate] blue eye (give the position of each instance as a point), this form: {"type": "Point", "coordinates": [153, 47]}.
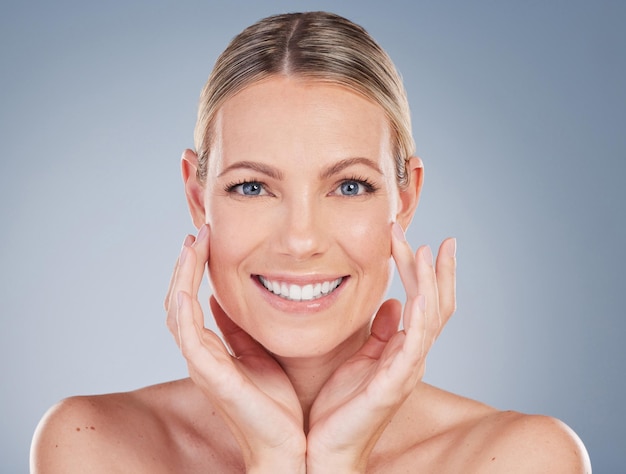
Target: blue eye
{"type": "Point", "coordinates": [247, 188]}
{"type": "Point", "coordinates": [251, 189]}
{"type": "Point", "coordinates": [350, 188]}
{"type": "Point", "coordinates": [355, 187]}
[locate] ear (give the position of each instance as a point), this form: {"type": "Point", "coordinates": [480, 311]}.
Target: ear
{"type": "Point", "coordinates": [410, 195]}
{"type": "Point", "coordinates": [194, 190]}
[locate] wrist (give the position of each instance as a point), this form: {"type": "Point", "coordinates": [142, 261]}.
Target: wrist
{"type": "Point", "coordinates": [279, 466]}
{"type": "Point", "coordinates": [278, 461]}
{"type": "Point", "coordinates": [335, 463]}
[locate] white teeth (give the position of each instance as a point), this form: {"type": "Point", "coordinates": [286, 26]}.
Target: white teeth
{"type": "Point", "coordinates": [300, 293]}
{"type": "Point", "coordinates": [295, 292]}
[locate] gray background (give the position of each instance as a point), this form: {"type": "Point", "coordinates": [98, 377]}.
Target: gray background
{"type": "Point", "coordinates": [519, 114]}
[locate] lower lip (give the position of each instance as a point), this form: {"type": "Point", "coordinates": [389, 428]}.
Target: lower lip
{"type": "Point", "coordinates": [289, 306]}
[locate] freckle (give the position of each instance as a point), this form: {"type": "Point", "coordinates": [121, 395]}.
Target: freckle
{"type": "Point", "coordinates": [91, 428]}
{"type": "Point", "coordinates": [56, 445]}
{"type": "Point", "coordinates": [213, 413]}
{"type": "Point", "coordinates": [77, 429]}
{"type": "Point", "coordinates": [493, 458]}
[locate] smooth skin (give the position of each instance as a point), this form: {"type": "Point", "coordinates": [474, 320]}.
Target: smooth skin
{"type": "Point", "coordinates": [301, 189]}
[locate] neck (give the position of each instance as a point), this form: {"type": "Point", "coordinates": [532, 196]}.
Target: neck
{"type": "Point", "coordinates": [309, 374]}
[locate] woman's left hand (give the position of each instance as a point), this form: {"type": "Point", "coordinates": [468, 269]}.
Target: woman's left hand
{"type": "Point", "coordinates": [354, 406]}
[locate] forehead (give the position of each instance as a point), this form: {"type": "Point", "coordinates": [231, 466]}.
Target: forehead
{"type": "Point", "coordinates": [303, 119]}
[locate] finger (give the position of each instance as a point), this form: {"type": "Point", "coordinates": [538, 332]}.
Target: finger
{"type": "Point", "coordinates": [405, 261]}
{"type": "Point", "coordinates": [446, 279]}
{"type": "Point", "coordinates": [384, 327]}
{"type": "Point", "coordinates": [189, 332]}
{"type": "Point", "coordinates": [189, 239]}
{"type": "Point", "coordinates": [201, 248]}
{"type": "Point", "coordinates": [170, 309]}
{"type": "Point", "coordinates": [386, 322]}
{"type": "Point", "coordinates": [415, 343]}
{"type": "Point", "coordinates": [239, 341]}
{"type": "Point", "coordinates": [182, 282]}
{"type": "Point", "coordinates": [418, 277]}
{"type": "Point", "coordinates": [415, 347]}
{"type": "Point", "coordinates": [417, 274]}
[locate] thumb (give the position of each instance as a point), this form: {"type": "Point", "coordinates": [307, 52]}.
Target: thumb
{"type": "Point", "coordinates": [387, 318]}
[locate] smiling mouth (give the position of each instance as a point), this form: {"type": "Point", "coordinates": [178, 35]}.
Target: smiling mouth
{"type": "Point", "coordinates": [292, 292]}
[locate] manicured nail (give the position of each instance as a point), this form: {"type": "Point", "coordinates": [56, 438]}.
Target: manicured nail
{"type": "Point", "coordinates": [188, 241]}
{"type": "Point", "coordinates": [204, 230]}
{"type": "Point", "coordinates": [398, 232]}
{"type": "Point", "coordinates": [451, 248]}
{"type": "Point", "coordinates": [427, 255]}
{"type": "Point", "coordinates": [183, 254]}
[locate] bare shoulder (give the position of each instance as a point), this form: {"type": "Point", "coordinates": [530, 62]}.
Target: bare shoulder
{"type": "Point", "coordinates": [444, 432]}
{"type": "Point", "coordinates": [91, 434]}
{"type": "Point", "coordinates": [515, 442]}
{"type": "Point", "coordinates": [119, 432]}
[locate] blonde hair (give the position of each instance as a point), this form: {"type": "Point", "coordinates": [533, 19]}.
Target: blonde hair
{"type": "Point", "coordinates": [315, 45]}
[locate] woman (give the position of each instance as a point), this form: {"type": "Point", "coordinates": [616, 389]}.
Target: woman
{"type": "Point", "coordinates": [301, 184]}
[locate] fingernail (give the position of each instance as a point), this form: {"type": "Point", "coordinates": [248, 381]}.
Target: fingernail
{"type": "Point", "coordinates": [398, 232]}
{"type": "Point", "coordinates": [427, 255]}
{"type": "Point", "coordinates": [179, 299]}
{"type": "Point", "coordinates": [188, 241]}
{"type": "Point", "coordinates": [183, 254]}
{"type": "Point", "coordinates": [451, 248]}
{"type": "Point", "coordinates": [203, 232]}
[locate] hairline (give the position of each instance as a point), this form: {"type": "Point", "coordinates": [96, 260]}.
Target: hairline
{"type": "Point", "coordinates": [310, 76]}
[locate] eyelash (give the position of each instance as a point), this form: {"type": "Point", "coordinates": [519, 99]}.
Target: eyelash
{"type": "Point", "coordinates": [232, 187]}
{"type": "Point", "coordinates": [369, 186]}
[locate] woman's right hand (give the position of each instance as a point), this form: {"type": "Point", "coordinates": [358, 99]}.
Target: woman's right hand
{"type": "Point", "coordinates": [248, 387]}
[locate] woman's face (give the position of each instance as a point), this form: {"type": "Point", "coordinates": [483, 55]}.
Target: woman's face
{"type": "Point", "coordinates": [300, 197]}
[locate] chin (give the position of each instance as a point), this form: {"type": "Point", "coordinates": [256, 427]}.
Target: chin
{"type": "Point", "coordinates": [296, 345]}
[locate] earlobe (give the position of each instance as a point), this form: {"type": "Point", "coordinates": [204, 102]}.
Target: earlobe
{"type": "Point", "coordinates": [409, 196]}
{"type": "Point", "coordinates": [194, 190]}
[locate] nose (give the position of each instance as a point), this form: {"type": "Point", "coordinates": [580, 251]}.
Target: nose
{"type": "Point", "coordinates": [301, 233]}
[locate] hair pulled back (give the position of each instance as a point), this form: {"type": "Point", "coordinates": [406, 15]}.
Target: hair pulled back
{"type": "Point", "coordinates": [319, 46]}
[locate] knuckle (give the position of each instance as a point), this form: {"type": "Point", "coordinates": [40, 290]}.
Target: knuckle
{"type": "Point", "coordinates": [189, 351]}
{"type": "Point", "coordinates": [171, 325]}
{"type": "Point", "coordinates": [434, 323]}
{"type": "Point", "coordinates": [448, 308]}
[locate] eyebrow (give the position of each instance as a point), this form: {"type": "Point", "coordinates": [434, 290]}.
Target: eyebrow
{"type": "Point", "coordinates": [267, 170]}
{"type": "Point", "coordinates": [326, 173]}
{"type": "Point", "coordinates": [343, 164]}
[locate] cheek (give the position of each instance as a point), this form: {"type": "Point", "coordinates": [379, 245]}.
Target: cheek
{"type": "Point", "coordinates": [233, 233]}
{"type": "Point", "coordinates": [230, 243]}
{"type": "Point", "coordinates": [366, 240]}
{"type": "Point", "coordinates": [367, 232]}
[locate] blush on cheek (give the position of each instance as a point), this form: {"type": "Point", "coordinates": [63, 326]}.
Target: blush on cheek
{"type": "Point", "coordinates": [377, 239]}
{"type": "Point", "coordinates": [218, 264]}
